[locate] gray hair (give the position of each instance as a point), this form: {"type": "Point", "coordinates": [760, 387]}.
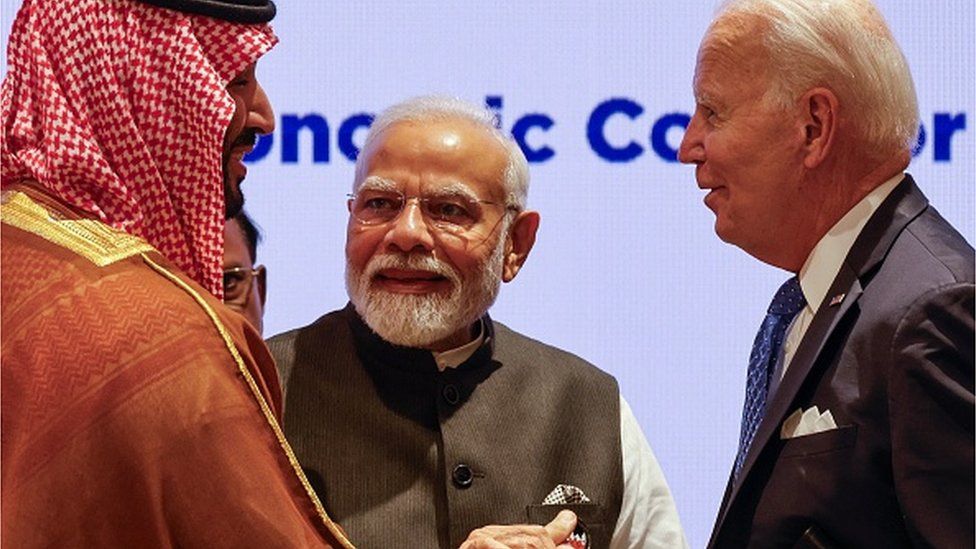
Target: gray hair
{"type": "Point", "coordinates": [432, 107]}
{"type": "Point", "coordinates": [843, 45]}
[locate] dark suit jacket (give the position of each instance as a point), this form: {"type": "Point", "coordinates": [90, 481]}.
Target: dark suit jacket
{"type": "Point", "coordinates": [893, 362]}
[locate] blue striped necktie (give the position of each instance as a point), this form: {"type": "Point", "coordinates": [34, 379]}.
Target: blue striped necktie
{"type": "Point", "coordinates": [786, 304]}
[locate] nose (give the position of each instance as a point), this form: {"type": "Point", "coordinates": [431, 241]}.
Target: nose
{"type": "Point", "coordinates": [692, 148]}
{"type": "Point", "coordinates": [408, 232]}
{"type": "Point", "coordinates": [261, 115]}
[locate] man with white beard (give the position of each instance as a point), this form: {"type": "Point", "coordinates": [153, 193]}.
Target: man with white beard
{"type": "Point", "coordinates": [427, 420]}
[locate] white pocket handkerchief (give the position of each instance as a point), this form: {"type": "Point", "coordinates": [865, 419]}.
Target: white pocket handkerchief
{"type": "Point", "coordinates": [810, 422]}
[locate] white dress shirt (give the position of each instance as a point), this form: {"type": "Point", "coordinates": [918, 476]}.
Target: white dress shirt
{"type": "Point", "coordinates": [821, 268]}
{"type": "Point", "coordinates": [648, 517]}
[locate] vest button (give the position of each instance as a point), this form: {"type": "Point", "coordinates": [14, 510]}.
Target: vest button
{"type": "Point", "coordinates": [451, 394]}
{"type": "Point", "coordinates": [462, 476]}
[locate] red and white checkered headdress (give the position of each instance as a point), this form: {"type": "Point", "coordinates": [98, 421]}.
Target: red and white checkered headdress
{"type": "Point", "coordinates": [119, 108]}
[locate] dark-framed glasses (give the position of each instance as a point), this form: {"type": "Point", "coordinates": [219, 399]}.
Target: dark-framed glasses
{"type": "Point", "coordinates": [452, 212]}
{"type": "Point", "coordinates": [238, 282]}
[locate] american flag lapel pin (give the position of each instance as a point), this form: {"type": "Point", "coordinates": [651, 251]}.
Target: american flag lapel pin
{"type": "Point", "coordinates": [837, 300]}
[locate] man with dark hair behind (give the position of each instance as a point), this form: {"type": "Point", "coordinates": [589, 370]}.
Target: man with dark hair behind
{"type": "Point", "coordinates": [245, 285]}
{"type": "Point", "coordinates": [137, 410]}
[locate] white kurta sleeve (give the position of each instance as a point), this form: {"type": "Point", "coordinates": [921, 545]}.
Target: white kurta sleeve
{"type": "Point", "coordinates": [648, 516]}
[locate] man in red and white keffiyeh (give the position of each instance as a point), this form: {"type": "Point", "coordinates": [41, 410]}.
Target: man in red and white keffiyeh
{"type": "Point", "coordinates": [136, 120]}
{"type": "Point", "coordinates": [136, 410]}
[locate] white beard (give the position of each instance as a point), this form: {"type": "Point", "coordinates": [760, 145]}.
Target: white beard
{"type": "Point", "coordinates": [419, 321]}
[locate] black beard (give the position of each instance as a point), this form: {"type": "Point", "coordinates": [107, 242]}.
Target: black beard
{"type": "Point", "coordinates": [233, 197]}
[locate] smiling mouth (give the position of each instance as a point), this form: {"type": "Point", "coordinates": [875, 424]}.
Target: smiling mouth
{"type": "Point", "coordinates": [410, 281]}
{"type": "Point", "coordinates": [714, 196]}
{"type": "Point", "coordinates": [710, 187]}
{"type": "Point", "coordinates": [241, 150]}
{"type": "Point", "coordinates": [407, 276]}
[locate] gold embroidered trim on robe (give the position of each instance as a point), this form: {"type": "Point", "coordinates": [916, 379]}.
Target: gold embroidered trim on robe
{"type": "Point", "coordinates": [89, 238]}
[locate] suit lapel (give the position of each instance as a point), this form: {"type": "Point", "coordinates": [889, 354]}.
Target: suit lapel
{"type": "Point", "coordinates": [904, 203]}
{"type": "Point", "coordinates": [821, 327]}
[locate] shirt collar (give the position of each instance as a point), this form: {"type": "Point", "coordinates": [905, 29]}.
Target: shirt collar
{"type": "Point", "coordinates": [452, 358]}
{"type": "Point", "coordinates": [823, 263]}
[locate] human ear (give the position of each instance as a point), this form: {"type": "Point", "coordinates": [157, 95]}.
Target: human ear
{"type": "Point", "coordinates": [819, 114]}
{"type": "Point", "coordinates": [519, 242]}
{"type": "Point", "coordinates": [262, 283]}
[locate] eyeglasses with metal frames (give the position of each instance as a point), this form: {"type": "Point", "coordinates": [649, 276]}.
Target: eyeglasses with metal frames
{"type": "Point", "coordinates": [238, 282]}
{"type": "Point", "coordinates": [450, 212]}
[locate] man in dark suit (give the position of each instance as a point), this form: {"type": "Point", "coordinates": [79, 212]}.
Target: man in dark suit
{"type": "Point", "coordinates": [857, 427]}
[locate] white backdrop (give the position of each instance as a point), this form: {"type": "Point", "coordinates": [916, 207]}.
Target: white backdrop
{"type": "Point", "coordinates": [627, 271]}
